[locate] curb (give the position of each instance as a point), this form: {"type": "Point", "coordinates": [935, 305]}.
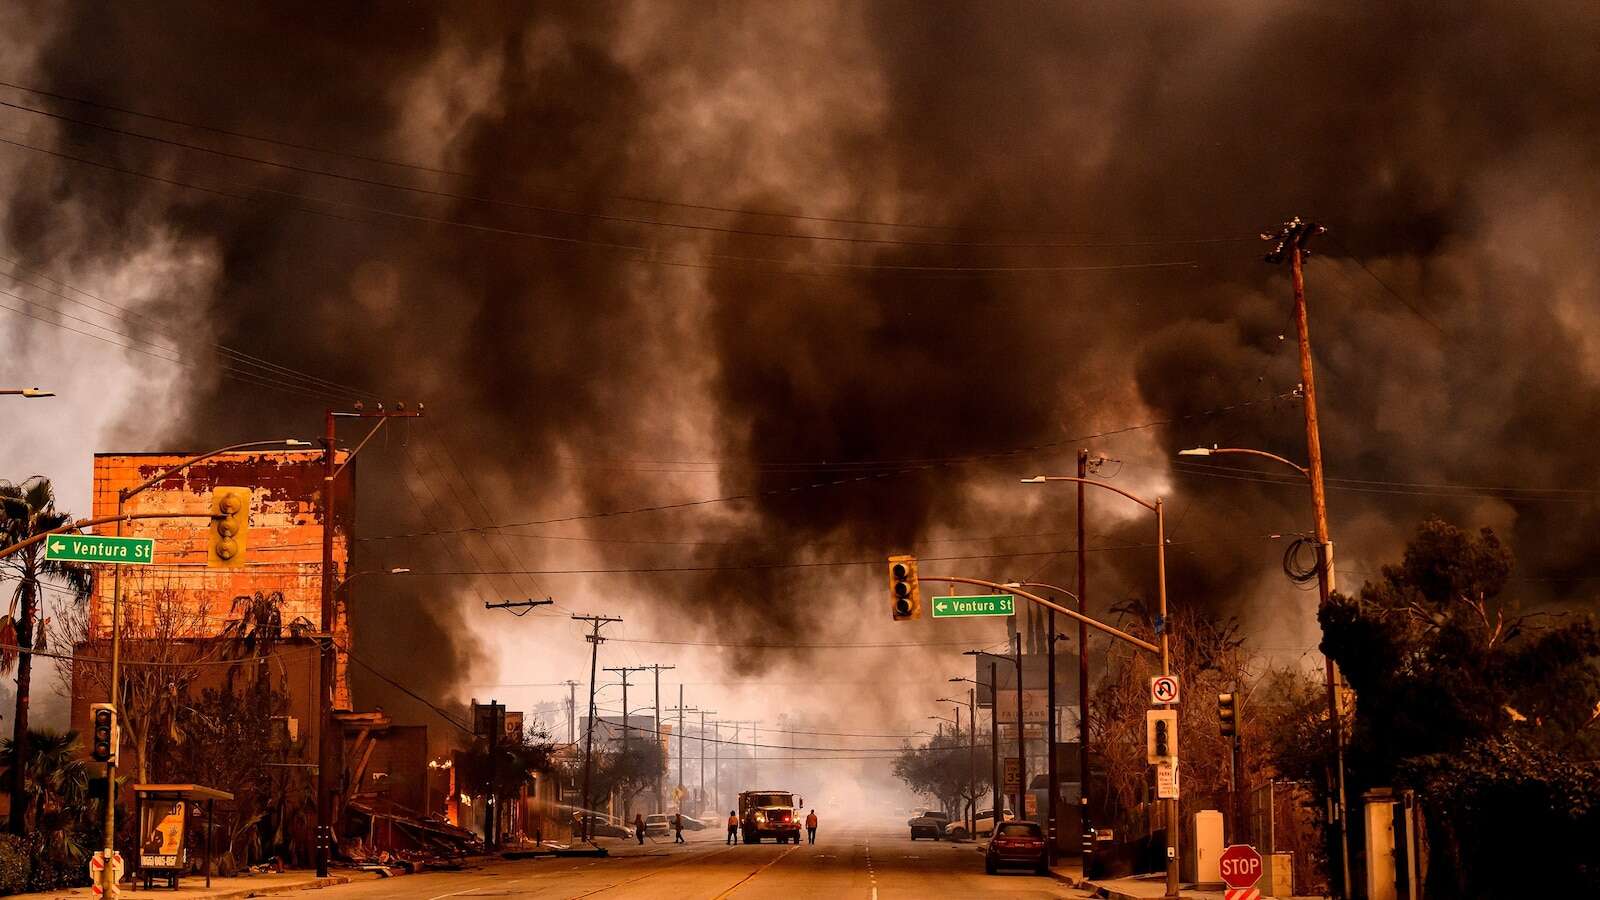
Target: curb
{"type": "Point", "coordinates": [311, 885]}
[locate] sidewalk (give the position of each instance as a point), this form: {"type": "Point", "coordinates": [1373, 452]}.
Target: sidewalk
{"type": "Point", "coordinates": [1146, 886]}
{"type": "Point", "coordinates": [194, 888]}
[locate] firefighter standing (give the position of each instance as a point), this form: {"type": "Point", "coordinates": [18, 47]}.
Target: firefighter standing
{"type": "Point", "coordinates": [811, 827]}
{"type": "Point", "coordinates": [733, 827]}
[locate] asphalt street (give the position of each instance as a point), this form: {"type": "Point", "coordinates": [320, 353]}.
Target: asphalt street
{"type": "Point", "coordinates": [872, 863]}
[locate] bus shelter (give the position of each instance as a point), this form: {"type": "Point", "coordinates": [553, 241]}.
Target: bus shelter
{"type": "Point", "coordinates": [164, 813]}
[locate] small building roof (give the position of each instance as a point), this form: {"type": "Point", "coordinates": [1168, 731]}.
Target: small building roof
{"type": "Point", "coordinates": [184, 791]}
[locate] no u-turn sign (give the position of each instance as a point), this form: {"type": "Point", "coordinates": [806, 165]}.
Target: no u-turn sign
{"type": "Point", "coordinates": [1164, 689]}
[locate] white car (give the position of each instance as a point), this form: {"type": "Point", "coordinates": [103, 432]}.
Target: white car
{"type": "Point", "coordinates": [983, 827]}
{"type": "Point", "coordinates": [658, 823]}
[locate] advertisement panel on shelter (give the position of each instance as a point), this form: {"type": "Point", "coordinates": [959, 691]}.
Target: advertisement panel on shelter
{"type": "Point", "coordinates": [161, 842]}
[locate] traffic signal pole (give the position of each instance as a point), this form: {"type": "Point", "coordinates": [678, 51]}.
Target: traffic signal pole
{"type": "Point", "coordinates": [1085, 826]}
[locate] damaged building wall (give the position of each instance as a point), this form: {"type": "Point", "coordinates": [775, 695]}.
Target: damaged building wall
{"type": "Point", "coordinates": [284, 549]}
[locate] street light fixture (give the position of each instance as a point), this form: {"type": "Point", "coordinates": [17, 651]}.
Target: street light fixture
{"type": "Point", "coordinates": [32, 392]}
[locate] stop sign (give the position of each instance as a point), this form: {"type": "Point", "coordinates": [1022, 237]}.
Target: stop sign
{"type": "Point", "coordinates": [1241, 866]}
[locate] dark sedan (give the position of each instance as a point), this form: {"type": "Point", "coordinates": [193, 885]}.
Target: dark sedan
{"type": "Point", "coordinates": [929, 825]}
{"type": "Point", "coordinates": [1017, 845]}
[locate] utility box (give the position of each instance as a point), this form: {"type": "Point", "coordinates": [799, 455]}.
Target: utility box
{"type": "Point", "coordinates": [1202, 857]}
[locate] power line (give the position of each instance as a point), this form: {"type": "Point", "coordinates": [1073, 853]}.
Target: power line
{"type": "Point", "coordinates": [651, 201]}
{"type": "Point", "coordinates": [644, 254]}
{"type": "Point", "coordinates": [912, 466]}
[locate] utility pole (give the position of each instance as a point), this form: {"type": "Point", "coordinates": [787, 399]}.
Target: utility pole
{"type": "Point", "coordinates": [625, 671]}
{"type": "Point", "coordinates": [1052, 775]}
{"type": "Point", "coordinates": [755, 756]}
{"type": "Point", "coordinates": [660, 802]}
{"type": "Point", "coordinates": [517, 604]}
{"type": "Point", "coordinates": [1085, 827]}
{"type": "Point", "coordinates": [328, 743]}
{"type": "Point", "coordinates": [994, 741]}
{"type": "Point", "coordinates": [1022, 741]}
{"type": "Point", "coordinates": [716, 767]}
{"type": "Point", "coordinates": [1291, 241]}
{"type": "Point", "coordinates": [970, 813]}
{"type": "Point", "coordinates": [703, 714]}
{"type": "Point", "coordinates": [680, 709]}
{"type": "Point", "coordinates": [572, 711]}
{"type": "Point", "coordinates": [594, 639]}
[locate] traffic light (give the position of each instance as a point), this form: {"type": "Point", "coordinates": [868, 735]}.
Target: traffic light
{"type": "Point", "coordinates": [230, 523]}
{"type": "Point", "coordinates": [905, 597]}
{"type": "Point", "coordinates": [105, 735]}
{"type": "Point", "coordinates": [1227, 715]}
{"type": "Point", "coordinates": [1161, 735]}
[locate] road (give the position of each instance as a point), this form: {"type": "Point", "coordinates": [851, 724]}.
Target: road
{"type": "Point", "coordinates": [870, 863]}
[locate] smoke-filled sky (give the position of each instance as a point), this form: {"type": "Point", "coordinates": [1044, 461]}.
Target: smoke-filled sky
{"type": "Point", "coordinates": [856, 266]}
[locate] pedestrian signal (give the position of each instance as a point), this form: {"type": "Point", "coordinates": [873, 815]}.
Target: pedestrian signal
{"type": "Point", "coordinates": [1227, 715]}
{"type": "Point", "coordinates": [905, 597]}
{"type": "Point", "coordinates": [230, 523]}
{"type": "Point", "coordinates": [104, 735]}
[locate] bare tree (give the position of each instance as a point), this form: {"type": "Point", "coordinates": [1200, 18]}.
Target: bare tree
{"type": "Point", "coordinates": [164, 652]}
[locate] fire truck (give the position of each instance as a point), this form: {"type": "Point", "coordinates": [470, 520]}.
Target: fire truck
{"type": "Point", "coordinates": [770, 814]}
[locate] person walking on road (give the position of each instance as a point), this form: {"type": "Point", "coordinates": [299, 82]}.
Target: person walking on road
{"type": "Point", "coordinates": [638, 826]}
{"type": "Point", "coordinates": [733, 827]}
{"type": "Point", "coordinates": [677, 829]}
{"type": "Point", "coordinates": [811, 827]}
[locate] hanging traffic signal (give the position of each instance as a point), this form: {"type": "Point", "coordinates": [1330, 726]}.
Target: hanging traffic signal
{"type": "Point", "coordinates": [1227, 715]}
{"type": "Point", "coordinates": [905, 597]}
{"type": "Point", "coordinates": [104, 736]}
{"type": "Point", "coordinates": [230, 522]}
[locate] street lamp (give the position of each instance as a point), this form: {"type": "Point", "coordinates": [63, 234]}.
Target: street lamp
{"type": "Point", "coordinates": [123, 496]}
{"type": "Point", "coordinates": [972, 751]}
{"type": "Point", "coordinates": [32, 392]}
{"type": "Point", "coordinates": [1158, 507]}
{"type": "Point", "coordinates": [1326, 580]}
{"type": "Point", "coordinates": [994, 730]}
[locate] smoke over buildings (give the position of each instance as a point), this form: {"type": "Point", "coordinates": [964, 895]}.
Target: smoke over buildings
{"type": "Point", "coordinates": [599, 283]}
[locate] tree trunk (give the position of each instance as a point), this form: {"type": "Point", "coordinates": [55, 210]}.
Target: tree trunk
{"type": "Point", "coordinates": [19, 734]}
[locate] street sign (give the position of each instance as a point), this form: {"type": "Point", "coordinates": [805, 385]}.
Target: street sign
{"type": "Point", "coordinates": [979, 605]}
{"type": "Point", "coordinates": [1030, 805]}
{"type": "Point", "coordinates": [1011, 781]}
{"type": "Point", "coordinates": [1164, 689]}
{"type": "Point", "coordinates": [1167, 780]}
{"type": "Point", "coordinates": [1241, 866]}
{"type": "Point", "coordinates": [93, 548]}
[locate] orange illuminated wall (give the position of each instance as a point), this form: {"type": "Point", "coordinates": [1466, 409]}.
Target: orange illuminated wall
{"type": "Point", "coordinates": [284, 541]}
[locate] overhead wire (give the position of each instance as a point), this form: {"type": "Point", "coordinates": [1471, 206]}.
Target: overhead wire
{"type": "Point", "coordinates": [656, 202]}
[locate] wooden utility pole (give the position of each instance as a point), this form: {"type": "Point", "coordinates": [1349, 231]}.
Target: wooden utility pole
{"type": "Point", "coordinates": [328, 743]}
{"type": "Point", "coordinates": [595, 640]}
{"type": "Point", "coordinates": [1290, 243]}
{"type": "Point", "coordinates": [660, 802]}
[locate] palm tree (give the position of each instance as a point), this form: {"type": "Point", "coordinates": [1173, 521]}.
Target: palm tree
{"type": "Point", "coordinates": [27, 509]}
{"type": "Point", "coordinates": [57, 793]}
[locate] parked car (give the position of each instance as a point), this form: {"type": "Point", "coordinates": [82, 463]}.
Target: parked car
{"type": "Point", "coordinates": [929, 825]}
{"type": "Point", "coordinates": [600, 825]}
{"type": "Point", "coordinates": [984, 825]}
{"type": "Point", "coordinates": [658, 823]}
{"type": "Point", "coordinates": [1017, 844]}
{"type": "Point", "coordinates": [690, 823]}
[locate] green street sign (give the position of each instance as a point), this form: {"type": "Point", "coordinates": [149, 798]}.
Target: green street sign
{"type": "Point", "coordinates": [135, 551]}
{"type": "Point", "coordinates": [982, 605]}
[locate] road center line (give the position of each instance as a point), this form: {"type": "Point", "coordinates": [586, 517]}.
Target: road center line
{"type": "Point", "coordinates": [687, 857]}
{"type": "Point", "coordinates": [740, 883]}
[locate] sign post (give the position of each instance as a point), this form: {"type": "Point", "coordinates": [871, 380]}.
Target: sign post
{"type": "Point", "coordinates": [97, 548]}
{"type": "Point", "coordinates": [97, 865]}
{"type": "Point", "coordinates": [1241, 869]}
{"type": "Point", "coordinates": [977, 605]}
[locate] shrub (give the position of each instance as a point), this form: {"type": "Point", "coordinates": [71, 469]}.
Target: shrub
{"type": "Point", "coordinates": [13, 864]}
